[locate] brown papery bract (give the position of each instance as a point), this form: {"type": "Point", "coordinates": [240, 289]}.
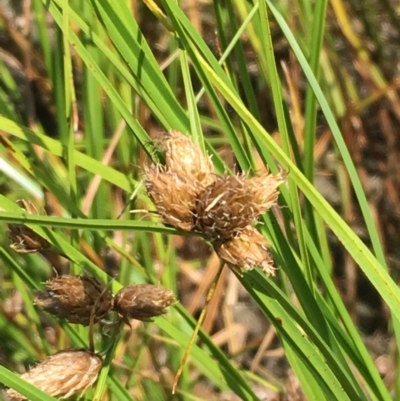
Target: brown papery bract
{"type": "Point", "coordinates": [245, 252]}
{"type": "Point", "coordinates": [63, 374]}
{"type": "Point", "coordinates": [173, 196]}
{"type": "Point", "coordinates": [143, 301]}
{"type": "Point", "coordinates": [75, 298]}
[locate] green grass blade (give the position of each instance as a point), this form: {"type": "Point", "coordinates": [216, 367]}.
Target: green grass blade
{"type": "Point", "coordinates": [20, 385]}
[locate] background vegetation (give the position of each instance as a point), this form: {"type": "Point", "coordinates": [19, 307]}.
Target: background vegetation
{"type": "Point", "coordinates": [306, 86]}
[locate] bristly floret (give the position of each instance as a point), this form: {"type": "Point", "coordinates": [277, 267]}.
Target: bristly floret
{"type": "Point", "coordinates": [232, 203]}
{"type": "Point", "coordinates": [174, 187]}
{"type": "Point", "coordinates": [25, 240]}
{"type": "Point", "coordinates": [264, 190]}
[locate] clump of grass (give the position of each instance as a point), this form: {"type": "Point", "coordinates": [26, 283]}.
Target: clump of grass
{"type": "Point", "coordinates": [301, 85]}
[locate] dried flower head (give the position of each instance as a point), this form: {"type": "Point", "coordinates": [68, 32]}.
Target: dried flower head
{"type": "Point", "coordinates": [245, 252]}
{"type": "Point", "coordinates": [186, 159]}
{"type": "Point", "coordinates": [63, 374]}
{"type": "Point", "coordinates": [224, 208]}
{"type": "Point", "coordinates": [25, 240]}
{"type": "Point", "coordinates": [232, 203]}
{"type": "Point", "coordinates": [143, 301]}
{"type": "Point", "coordinates": [173, 196]}
{"type": "Point", "coordinates": [75, 298]}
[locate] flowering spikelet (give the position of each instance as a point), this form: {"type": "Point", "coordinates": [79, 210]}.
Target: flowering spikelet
{"type": "Point", "coordinates": [25, 240]}
{"type": "Point", "coordinates": [63, 374]}
{"type": "Point", "coordinates": [185, 159]}
{"type": "Point", "coordinates": [143, 301]}
{"type": "Point", "coordinates": [75, 298]}
{"type": "Point", "coordinates": [247, 251]}
{"type": "Point", "coordinates": [173, 196]}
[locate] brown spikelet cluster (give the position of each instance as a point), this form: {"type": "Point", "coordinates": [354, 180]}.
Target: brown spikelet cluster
{"type": "Point", "coordinates": [190, 196]}
{"type": "Point", "coordinates": [143, 301]}
{"type": "Point", "coordinates": [25, 240]}
{"type": "Point", "coordinates": [63, 374]}
{"type": "Point", "coordinates": [77, 299]}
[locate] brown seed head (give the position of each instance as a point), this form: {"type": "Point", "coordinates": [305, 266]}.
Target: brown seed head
{"type": "Point", "coordinates": [185, 159]}
{"type": "Point", "coordinates": [63, 374]}
{"type": "Point", "coordinates": [75, 298]}
{"type": "Point", "coordinates": [173, 196]}
{"type": "Point", "coordinates": [245, 252]}
{"type": "Point", "coordinates": [25, 240]}
{"type": "Point", "coordinates": [232, 203]}
{"type": "Point", "coordinates": [143, 301]}
{"type": "Point", "coordinates": [224, 208]}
